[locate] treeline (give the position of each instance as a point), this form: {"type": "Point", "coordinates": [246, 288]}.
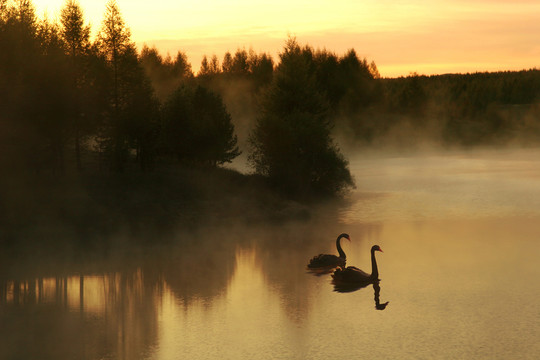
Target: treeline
{"type": "Point", "coordinates": [451, 110]}
{"type": "Point", "coordinates": [65, 96]}
{"type": "Point", "coordinates": [70, 102]}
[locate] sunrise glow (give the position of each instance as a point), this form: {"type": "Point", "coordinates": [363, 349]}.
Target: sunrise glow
{"type": "Point", "coordinates": [400, 36]}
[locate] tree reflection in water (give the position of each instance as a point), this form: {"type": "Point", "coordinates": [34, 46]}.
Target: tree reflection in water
{"type": "Point", "coordinates": [108, 309]}
{"type": "Point", "coordinates": [113, 306]}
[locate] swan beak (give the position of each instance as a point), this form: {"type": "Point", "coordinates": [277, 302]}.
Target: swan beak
{"type": "Point", "coordinates": [380, 250]}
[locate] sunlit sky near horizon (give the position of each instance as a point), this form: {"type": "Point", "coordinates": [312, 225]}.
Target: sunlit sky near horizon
{"type": "Point", "coordinates": [427, 37]}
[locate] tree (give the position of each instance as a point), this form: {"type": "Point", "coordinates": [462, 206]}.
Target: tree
{"type": "Point", "coordinates": [261, 68]}
{"type": "Point", "coordinates": [291, 143]}
{"type": "Point", "coordinates": [227, 63]}
{"type": "Point", "coordinates": [209, 68]}
{"type": "Point", "coordinates": [54, 102]}
{"type": "Point", "coordinates": [165, 74]}
{"type": "Point", "coordinates": [114, 43]}
{"type": "Point", "coordinates": [74, 32]}
{"type": "Point", "coordinates": [76, 36]}
{"type": "Point", "coordinates": [35, 92]}
{"type": "Point", "coordinates": [198, 128]}
{"type": "Point", "coordinates": [138, 118]}
{"type": "Point", "coordinates": [181, 67]}
{"type": "Point", "coordinates": [240, 66]}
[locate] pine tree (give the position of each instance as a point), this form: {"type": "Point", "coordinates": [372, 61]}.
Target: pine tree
{"type": "Point", "coordinates": [76, 36]}
{"type": "Point", "coordinates": [114, 43]}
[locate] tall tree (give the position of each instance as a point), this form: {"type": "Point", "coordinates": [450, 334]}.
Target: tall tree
{"type": "Point", "coordinates": [74, 32]}
{"type": "Point", "coordinates": [114, 42]}
{"type": "Point", "coordinates": [209, 68]}
{"type": "Point", "coordinates": [76, 36]}
{"type": "Point", "coordinates": [181, 67]}
{"type": "Point", "coordinates": [114, 39]}
{"type": "Point", "coordinates": [227, 63]}
{"type": "Point", "coordinates": [291, 143]}
{"type": "Point", "coordinates": [240, 66]}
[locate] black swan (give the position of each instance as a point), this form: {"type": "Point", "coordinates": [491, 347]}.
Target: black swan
{"type": "Point", "coordinates": [323, 261]}
{"type": "Point", "coordinates": [353, 275]}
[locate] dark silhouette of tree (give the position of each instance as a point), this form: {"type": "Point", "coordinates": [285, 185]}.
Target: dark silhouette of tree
{"type": "Point", "coordinates": [181, 67]}
{"type": "Point", "coordinates": [19, 52]}
{"type": "Point", "coordinates": [210, 68]}
{"type": "Point", "coordinates": [76, 37]}
{"type": "Point", "coordinates": [75, 33]}
{"type": "Point", "coordinates": [132, 98]}
{"type": "Point", "coordinates": [291, 143]}
{"type": "Point", "coordinates": [53, 101]}
{"type": "Point", "coordinates": [261, 69]}
{"type": "Point", "coordinates": [198, 128]}
{"type": "Point", "coordinates": [166, 75]}
{"type": "Point", "coordinates": [227, 63]}
{"type": "Point", "coordinates": [358, 79]}
{"type": "Point", "coordinates": [374, 70]}
{"type": "Point", "coordinates": [35, 94]}
{"type": "Point", "coordinates": [139, 115]}
{"type": "Point", "coordinates": [240, 65]}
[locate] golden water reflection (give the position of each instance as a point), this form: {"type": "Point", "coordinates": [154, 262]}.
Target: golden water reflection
{"type": "Point", "coordinates": [455, 286]}
{"type": "Point", "coordinates": [159, 311]}
{"type": "Point", "coordinates": [83, 317]}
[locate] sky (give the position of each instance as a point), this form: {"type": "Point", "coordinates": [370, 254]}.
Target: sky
{"type": "Point", "coordinates": [401, 37]}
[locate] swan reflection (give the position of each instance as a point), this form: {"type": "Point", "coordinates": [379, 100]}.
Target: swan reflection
{"type": "Point", "coordinates": [377, 290]}
{"type": "Point", "coordinates": [345, 288]}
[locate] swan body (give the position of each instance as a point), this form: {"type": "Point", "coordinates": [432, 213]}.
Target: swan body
{"type": "Point", "coordinates": [322, 261]}
{"type": "Point", "coordinates": [353, 275]}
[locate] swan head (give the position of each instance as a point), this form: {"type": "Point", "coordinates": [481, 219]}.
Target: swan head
{"type": "Point", "coordinates": [346, 236]}
{"type": "Point", "coordinates": [376, 248]}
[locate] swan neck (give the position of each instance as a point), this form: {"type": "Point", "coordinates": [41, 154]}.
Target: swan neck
{"type": "Point", "coordinates": [374, 269]}
{"type": "Point", "coordinates": [339, 249]}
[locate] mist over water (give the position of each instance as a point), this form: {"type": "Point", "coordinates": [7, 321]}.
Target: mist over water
{"type": "Point", "coordinates": [445, 185]}
{"type": "Point", "coordinates": [459, 231]}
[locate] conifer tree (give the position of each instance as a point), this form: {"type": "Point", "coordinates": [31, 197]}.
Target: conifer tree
{"type": "Point", "coordinates": [76, 36]}
{"type": "Point", "coordinates": [115, 45]}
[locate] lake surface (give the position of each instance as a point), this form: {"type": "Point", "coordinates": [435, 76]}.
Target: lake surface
{"type": "Point", "coordinates": [460, 271]}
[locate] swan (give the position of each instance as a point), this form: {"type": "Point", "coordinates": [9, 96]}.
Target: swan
{"type": "Point", "coordinates": [353, 275]}
{"type": "Point", "coordinates": [322, 261]}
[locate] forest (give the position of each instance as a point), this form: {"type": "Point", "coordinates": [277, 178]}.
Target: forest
{"type": "Point", "coordinates": [96, 132]}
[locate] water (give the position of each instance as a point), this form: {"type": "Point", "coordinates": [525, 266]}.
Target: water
{"type": "Point", "coordinates": [460, 269]}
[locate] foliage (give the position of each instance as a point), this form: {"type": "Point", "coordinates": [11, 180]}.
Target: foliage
{"type": "Point", "coordinates": [131, 122]}
{"type": "Point", "coordinates": [69, 101]}
{"type": "Point", "coordinates": [463, 109]}
{"type": "Point", "coordinates": [291, 143]}
{"type": "Point", "coordinates": [198, 128]}
{"type": "Point", "coordinates": [166, 74]}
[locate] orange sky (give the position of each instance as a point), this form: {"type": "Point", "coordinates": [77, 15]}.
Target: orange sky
{"type": "Point", "coordinates": [428, 37]}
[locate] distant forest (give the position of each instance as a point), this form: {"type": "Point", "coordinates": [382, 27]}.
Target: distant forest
{"type": "Point", "coordinates": [70, 103]}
